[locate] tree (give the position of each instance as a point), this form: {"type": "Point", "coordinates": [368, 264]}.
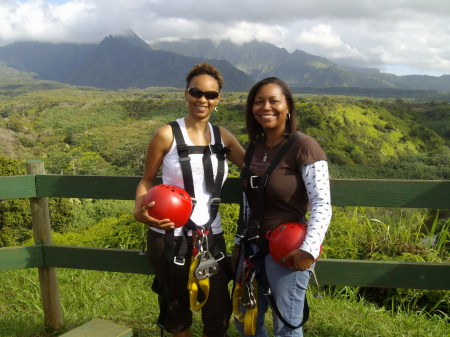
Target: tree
{"type": "Point", "coordinates": [15, 215]}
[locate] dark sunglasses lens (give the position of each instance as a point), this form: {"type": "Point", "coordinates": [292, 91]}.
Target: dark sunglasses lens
{"type": "Point", "coordinates": [194, 92]}
{"type": "Point", "coordinates": [211, 94]}
{"type": "Point", "coordinates": [197, 93]}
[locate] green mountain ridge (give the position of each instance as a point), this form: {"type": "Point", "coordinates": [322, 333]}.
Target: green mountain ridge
{"type": "Point", "coordinates": [118, 62]}
{"type": "Point", "coordinates": [299, 69]}
{"type": "Point", "coordinates": [126, 61]}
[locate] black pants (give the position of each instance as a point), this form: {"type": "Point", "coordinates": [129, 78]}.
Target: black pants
{"type": "Point", "coordinates": [217, 310]}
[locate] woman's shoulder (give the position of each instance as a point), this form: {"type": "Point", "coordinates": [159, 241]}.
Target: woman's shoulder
{"type": "Point", "coordinates": [308, 147]}
{"type": "Point", "coordinates": [305, 140]}
{"type": "Point", "coordinates": [226, 135]}
{"type": "Point", "coordinates": [164, 131]}
{"type": "Point", "coordinates": [163, 137]}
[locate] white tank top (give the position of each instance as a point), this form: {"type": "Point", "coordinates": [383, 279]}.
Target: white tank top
{"type": "Point", "coordinates": [172, 175]}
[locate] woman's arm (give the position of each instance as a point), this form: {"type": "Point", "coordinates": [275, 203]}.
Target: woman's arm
{"type": "Point", "coordinates": [157, 148]}
{"type": "Point", "coordinates": [237, 152]}
{"type": "Point", "coordinates": [317, 184]}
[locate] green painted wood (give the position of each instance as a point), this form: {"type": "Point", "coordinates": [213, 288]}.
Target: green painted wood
{"type": "Point", "coordinates": [21, 257]}
{"type": "Point", "coordinates": [96, 187]}
{"type": "Point", "coordinates": [391, 193]}
{"type": "Point", "coordinates": [103, 259]}
{"type": "Point", "coordinates": [383, 274]}
{"type": "Point", "coordinates": [345, 192]}
{"type": "Point", "coordinates": [17, 187]}
{"type": "Point", "coordinates": [100, 328]}
{"type": "Point", "coordinates": [232, 191]}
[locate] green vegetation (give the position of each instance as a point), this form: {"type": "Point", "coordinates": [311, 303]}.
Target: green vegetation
{"type": "Point", "coordinates": [127, 299]}
{"type": "Point", "coordinates": [100, 132]}
{"type": "Point", "coordinates": [93, 131]}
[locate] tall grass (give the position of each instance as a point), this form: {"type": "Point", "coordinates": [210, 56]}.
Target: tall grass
{"type": "Point", "coordinates": [355, 233]}
{"type": "Point", "coordinates": [128, 300]}
{"type": "Point", "coordinates": [392, 235]}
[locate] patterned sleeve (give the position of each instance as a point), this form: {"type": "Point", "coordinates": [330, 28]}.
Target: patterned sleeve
{"type": "Point", "coordinates": [315, 176]}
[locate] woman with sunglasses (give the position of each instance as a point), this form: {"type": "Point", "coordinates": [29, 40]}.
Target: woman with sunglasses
{"type": "Point", "coordinates": [203, 85]}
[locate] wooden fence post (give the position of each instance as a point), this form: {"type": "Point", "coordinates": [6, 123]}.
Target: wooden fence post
{"type": "Point", "coordinates": [47, 275]}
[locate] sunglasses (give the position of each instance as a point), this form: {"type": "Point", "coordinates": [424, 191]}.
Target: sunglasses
{"type": "Point", "coordinates": [197, 93]}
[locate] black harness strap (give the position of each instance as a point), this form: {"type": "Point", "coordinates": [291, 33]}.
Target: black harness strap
{"type": "Point", "coordinates": [248, 230]}
{"type": "Point", "coordinates": [213, 186]}
{"type": "Point", "coordinates": [260, 182]}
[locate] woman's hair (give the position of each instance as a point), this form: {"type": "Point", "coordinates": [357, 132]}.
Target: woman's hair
{"type": "Point", "coordinates": [254, 129]}
{"type": "Point", "coordinates": [205, 69]}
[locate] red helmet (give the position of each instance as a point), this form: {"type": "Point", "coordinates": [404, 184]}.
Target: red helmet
{"type": "Point", "coordinates": [286, 238]}
{"type": "Point", "coordinates": [171, 202]}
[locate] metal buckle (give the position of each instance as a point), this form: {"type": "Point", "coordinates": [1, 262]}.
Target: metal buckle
{"type": "Point", "coordinates": [251, 182]}
{"type": "Point", "coordinates": [216, 200]}
{"type": "Point", "coordinates": [261, 183]}
{"type": "Point", "coordinates": [179, 262]}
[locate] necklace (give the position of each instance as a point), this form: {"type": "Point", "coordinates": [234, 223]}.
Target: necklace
{"type": "Point", "coordinates": [266, 151]}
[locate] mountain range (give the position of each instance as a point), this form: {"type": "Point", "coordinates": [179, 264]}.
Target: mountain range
{"type": "Point", "coordinates": [120, 62]}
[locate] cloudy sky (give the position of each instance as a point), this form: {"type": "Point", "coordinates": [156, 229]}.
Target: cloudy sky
{"type": "Point", "coordinates": [395, 36]}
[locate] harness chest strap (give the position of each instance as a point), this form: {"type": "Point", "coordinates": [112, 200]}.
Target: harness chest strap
{"type": "Point", "coordinates": [213, 186]}
{"type": "Point", "coordinates": [249, 228]}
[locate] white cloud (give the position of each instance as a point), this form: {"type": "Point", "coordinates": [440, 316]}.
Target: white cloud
{"type": "Point", "coordinates": [390, 34]}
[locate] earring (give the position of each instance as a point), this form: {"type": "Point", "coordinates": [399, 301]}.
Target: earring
{"type": "Point", "coordinates": [215, 108]}
{"type": "Point", "coordinates": [288, 117]}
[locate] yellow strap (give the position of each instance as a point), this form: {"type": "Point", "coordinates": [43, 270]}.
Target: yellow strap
{"type": "Point", "coordinates": [250, 316]}
{"type": "Point", "coordinates": [194, 285]}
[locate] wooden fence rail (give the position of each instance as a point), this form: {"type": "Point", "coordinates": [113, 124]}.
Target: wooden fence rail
{"type": "Point", "coordinates": [45, 256]}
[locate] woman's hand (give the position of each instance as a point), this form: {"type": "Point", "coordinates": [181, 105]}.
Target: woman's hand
{"type": "Point", "coordinates": [298, 260]}
{"type": "Point", "coordinates": [141, 215]}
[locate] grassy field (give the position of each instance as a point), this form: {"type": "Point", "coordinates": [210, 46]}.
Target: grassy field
{"type": "Point", "coordinates": [128, 300]}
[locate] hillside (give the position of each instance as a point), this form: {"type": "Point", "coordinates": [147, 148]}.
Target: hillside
{"type": "Point", "coordinates": [80, 130]}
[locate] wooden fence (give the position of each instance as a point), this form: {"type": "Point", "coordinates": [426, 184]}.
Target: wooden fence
{"type": "Point", "coordinates": [38, 186]}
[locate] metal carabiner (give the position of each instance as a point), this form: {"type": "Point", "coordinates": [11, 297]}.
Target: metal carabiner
{"type": "Point", "coordinates": [207, 266]}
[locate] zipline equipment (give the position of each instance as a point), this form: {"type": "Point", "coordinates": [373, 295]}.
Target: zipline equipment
{"type": "Point", "coordinates": [248, 226]}
{"type": "Point", "coordinates": [206, 254]}
{"type": "Point", "coordinates": [203, 266]}
{"type": "Point", "coordinates": [171, 202]}
{"type": "Point", "coordinates": [245, 293]}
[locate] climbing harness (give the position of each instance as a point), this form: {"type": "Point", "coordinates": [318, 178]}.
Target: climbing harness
{"type": "Point", "coordinates": [244, 291]}
{"type": "Point", "coordinates": [205, 254]}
